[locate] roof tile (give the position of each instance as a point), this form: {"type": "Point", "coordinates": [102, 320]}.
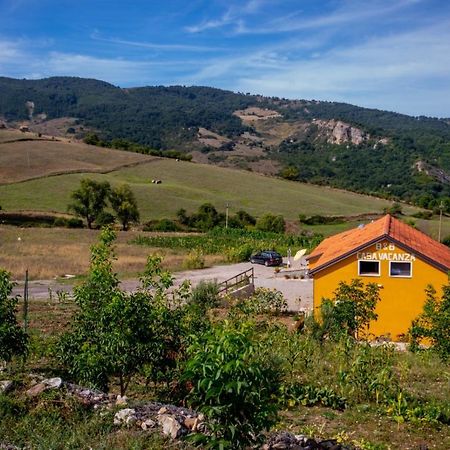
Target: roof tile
{"type": "Point", "coordinates": [344, 244]}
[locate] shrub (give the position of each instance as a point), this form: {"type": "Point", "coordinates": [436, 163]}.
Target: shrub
{"type": "Point", "coordinates": [349, 311]}
{"type": "Point", "coordinates": [164, 225]}
{"type": "Point", "coordinates": [271, 223]}
{"type": "Point", "coordinates": [13, 338]}
{"type": "Point", "coordinates": [434, 323]}
{"type": "Point", "coordinates": [116, 334]}
{"type": "Point", "coordinates": [194, 260]}
{"type": "Point", "coordinates": [205, 295]}
{"type": "Point", "coordinates": [231, 384]}
{"type": "Point", "coordinates": [239, 254]}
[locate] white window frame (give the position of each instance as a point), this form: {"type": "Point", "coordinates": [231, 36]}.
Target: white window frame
{"type": "Point", "coordinates": [368, 274]}
{"type": "Point", "coordinates": [401, 276]}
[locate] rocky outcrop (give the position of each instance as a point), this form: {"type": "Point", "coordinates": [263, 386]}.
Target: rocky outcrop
{"type": "Point", "coordinates": [434, 172]}
{"type": "Point", "coordinates": [338, 132]}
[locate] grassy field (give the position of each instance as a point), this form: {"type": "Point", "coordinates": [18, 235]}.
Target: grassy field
{"type": "Point", "coordinates": [188, 185]}
{"type": "Point", "coordinates": [53, 252]}
{"type": "Point", "coordinates": [23, 160]}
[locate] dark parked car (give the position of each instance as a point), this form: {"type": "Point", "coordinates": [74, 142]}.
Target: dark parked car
{"type": "Point", "coordinates": [267, 257]}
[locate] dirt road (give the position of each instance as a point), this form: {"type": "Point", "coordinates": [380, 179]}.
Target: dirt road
{"type": "Point", "coordinates": [297, 292]}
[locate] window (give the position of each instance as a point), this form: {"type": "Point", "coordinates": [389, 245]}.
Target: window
{"type": "Point", "coordinates": [400, 269]}
{"type": "Point", "coordinates": [369, 268]}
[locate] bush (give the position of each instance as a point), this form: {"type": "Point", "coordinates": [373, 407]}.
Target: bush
{"type": "Point", "coordinates": [320, 220]}
{"type": "Point", "coordinates": [205, 295]}
{"type": "Point", "coordinates": [194, 260]}
{"type": "Point", "coordinates": [271, 223]}
{"type": "Point", "coordinates": [164, 225]}
{"type": "Point", "coordinates": [239, 254]}
{"type": "Point", "coordinates": [71, 222]}
{"type": "Point", "coordinates": [117, 334]}
{"type": "Point", "coordinates": [232, 385]}
{"type": "Point", "coordinates": [349, 311]}
{"type": "Point", "coordinates": [434, 323]}
{"type": "Point", "coordinates": [13, 338]}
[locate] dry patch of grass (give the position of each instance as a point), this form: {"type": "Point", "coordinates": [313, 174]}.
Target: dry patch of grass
{"type": "Point", "coordinates": [53, 252]}
{"type": "Point", "coordinates": [24, 160]}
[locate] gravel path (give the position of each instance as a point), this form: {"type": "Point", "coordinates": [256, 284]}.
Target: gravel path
{"type": "Point", "coordinates": [297, 292]}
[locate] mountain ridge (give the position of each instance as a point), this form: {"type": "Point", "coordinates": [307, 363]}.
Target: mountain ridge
{"type": "Point", "coordinates": [362, 149]}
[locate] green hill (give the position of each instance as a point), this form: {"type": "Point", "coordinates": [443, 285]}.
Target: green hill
{"type": "Point", "coordinates": [335, 144]}
{"type": "Point", "coordinates": [188, 185]}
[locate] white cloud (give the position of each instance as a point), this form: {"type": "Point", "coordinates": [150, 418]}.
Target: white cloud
{"type": "Point", "coordinates": [154, 46]}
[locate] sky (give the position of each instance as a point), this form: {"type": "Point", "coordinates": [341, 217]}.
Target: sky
{"type": "Point", "coordinates": [386, 54]}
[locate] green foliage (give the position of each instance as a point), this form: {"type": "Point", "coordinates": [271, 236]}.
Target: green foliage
{"type": "Point", "coordinates": [89, 200]}
{"type": "Point", "coordinates": [69, 223]}
{"type": "Point", "coordinates": [242, 219]}
{"type": "Point", "coordinates": [124, 204]}
{"type": "Point", "coordinates": [271, 223]}
{"type": "Point", "coordinates": [290, 173]}
{"type": "Point", "coordinates": [394, 210]}
{"type": "Point", "coordinates": [232, 384]}
{"type": "Point", "coordinates": [433, 324]}
{"type": "Point", "coordinates": [13, 339]}
{"type": "Point", "coordinates": [239, 254]}
{"type": "Point", "coordinates": [116, 334]}
{"type": "Point", "coordinates": [350, 310]}
{"type": "Point", "coordinates": [205, 295]}
{"type": "Point", "coordinates": [263, 301]}
{"type": "Point", "coordinates": [298, 394]}
{"type": "Point", "coordinates": [164, 225]}
{"type": "Point", "coordinates": [194, 260]}
{"type": "Point", "coordinates": [231, 241]}
{"type": "Point", "coordinates": [320, 220]}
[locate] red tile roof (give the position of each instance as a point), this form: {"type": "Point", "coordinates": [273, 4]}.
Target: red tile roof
{"type": "Point", "coordinates": [339, 246]}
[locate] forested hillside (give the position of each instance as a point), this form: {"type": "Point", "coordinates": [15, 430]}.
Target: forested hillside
{"type": "Point", "coordinates": [360, 149]}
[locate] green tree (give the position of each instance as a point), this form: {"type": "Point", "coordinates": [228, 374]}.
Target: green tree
{"type": "Point", "coordinates": [290, 173]}
{"type": "Point", "coordinates": [232, 384]}
{"type": "Point", "coordinates": [89, 200]}
{"type": "Point", "coordinates": [124, 205]}
{"type": "Point", "coordinates": [434, 322]}
{"type": "Point", "coordinates": [116, 334]}
{"type": "Point", "coordinates": [272, 223]}
{"type": "Point", "coordinates": [13, 339]}
{"type": "Point", "coordinates": [351, 309]}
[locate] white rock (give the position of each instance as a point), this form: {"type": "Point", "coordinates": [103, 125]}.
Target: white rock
{"type": "Point", "coordinates": [53, 383]}
{"type": "Point", "coordinates": [125, 416]}
{"type": "Point", "coordinates": [6, 386]}
{"type": "Point", "coordinates": [170, 426]}
{"type": "Point", "coordinates": [149, 423]}
{"type": "Point", "coordinates": [121, 401]}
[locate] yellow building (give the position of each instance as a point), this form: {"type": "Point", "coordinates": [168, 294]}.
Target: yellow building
{"type": "Point", "coordinates": [397, 257]}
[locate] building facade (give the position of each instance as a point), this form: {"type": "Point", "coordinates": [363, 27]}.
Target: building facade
{"type": "Point", "coordinates": [401, 260]}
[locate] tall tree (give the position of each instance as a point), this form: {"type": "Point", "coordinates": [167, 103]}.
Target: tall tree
{"type": "Point", "coordinates": [124, 205]}
{"type": "Point", "coordinates": [90, 199]}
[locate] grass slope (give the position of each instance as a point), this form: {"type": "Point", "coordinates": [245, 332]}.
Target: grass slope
{"type": "Point", "coordinates": [26, 159]}
{"type": "Point", "coordinates": [187, 185]}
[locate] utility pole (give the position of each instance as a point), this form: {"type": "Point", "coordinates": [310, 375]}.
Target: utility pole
{"type": "Point", "coordinates": [441, 207]}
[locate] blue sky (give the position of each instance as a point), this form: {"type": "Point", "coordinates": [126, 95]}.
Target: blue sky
{"type": "Point", "coordinates": [388, 54]}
